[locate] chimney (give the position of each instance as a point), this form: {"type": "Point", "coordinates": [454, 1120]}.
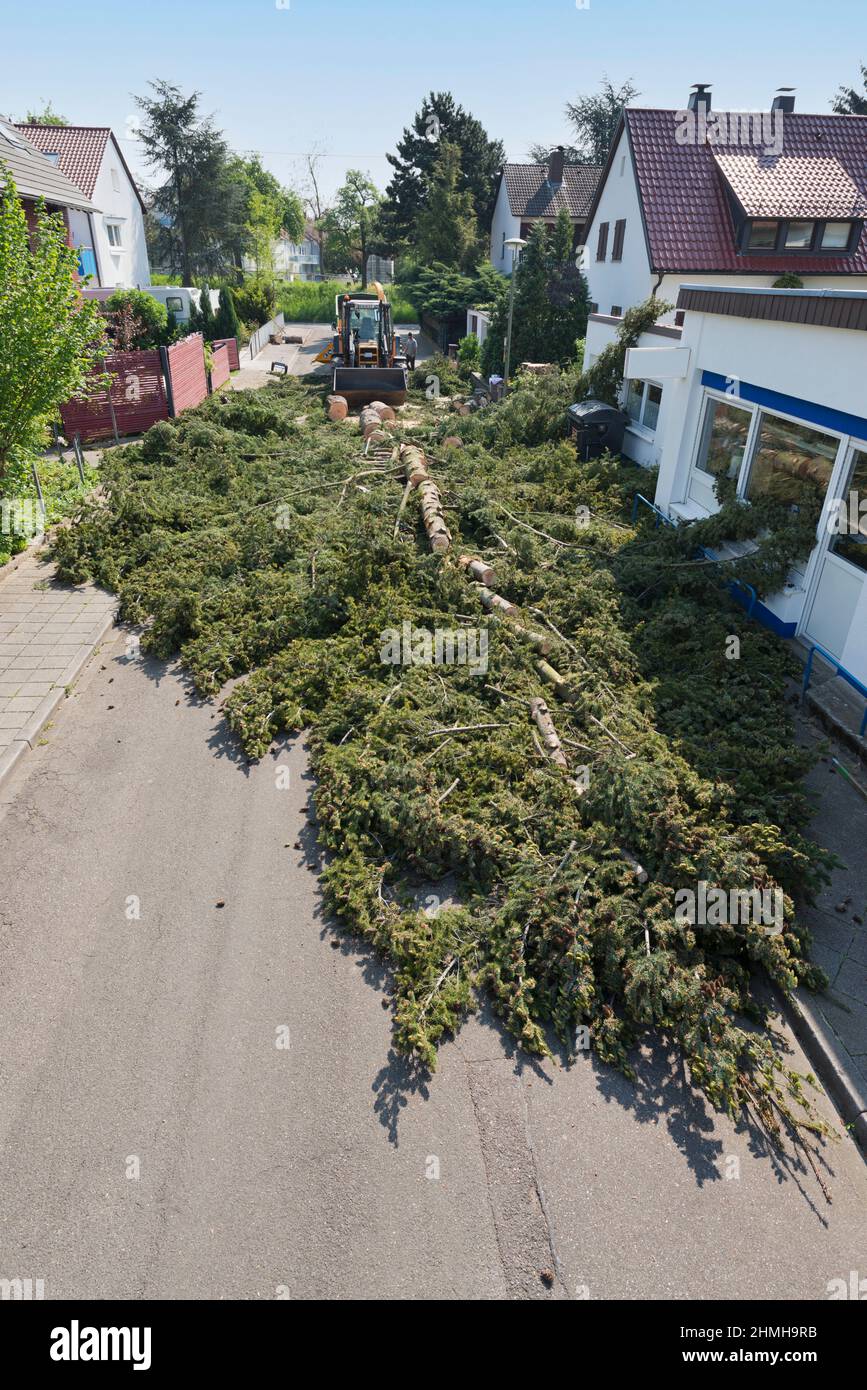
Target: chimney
{"type": "Point", "coordinates": [699, 96]}
{"type": "Point", "coordinates": [784, 100]}
{"type": "Point", "coordinates": [555, 165]}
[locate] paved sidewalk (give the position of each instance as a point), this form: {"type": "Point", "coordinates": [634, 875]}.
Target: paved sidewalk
{"type": "Point", "coordinates": [48, 631]}
{"type": "Point", "coordinates": [837, 1018]}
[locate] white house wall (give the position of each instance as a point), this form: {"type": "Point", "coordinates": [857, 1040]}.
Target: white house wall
{"type": "Point", "coordinates": [627, 281]}
{"type": "Point", "coordinates": [128, 265]}
{"type": "Point", "coordinates": [503, 224]}
{"type": "Point", "coordinates": [823, 366]}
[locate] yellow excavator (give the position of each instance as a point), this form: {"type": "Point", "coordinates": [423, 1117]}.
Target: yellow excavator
{"type": "Point", "coordinates": [368, 363]}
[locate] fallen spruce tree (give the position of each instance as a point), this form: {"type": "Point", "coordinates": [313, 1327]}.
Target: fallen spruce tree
{"type": "Point", "coordinates": [256, 539]}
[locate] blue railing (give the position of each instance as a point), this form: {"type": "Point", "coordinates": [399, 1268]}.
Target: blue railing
{"type": "Point", "coordinates": [658, 513]}
{"type": "Point", "coordinates": [841, 671]}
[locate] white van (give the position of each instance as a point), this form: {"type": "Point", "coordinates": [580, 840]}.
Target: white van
{"type": "Point", "coordinates": [177, 299]}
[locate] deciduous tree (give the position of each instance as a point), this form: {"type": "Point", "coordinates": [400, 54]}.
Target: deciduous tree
{"type": "Point", "coordinates": [51, 339]}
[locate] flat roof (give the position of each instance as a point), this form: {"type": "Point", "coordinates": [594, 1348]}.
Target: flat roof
{"type": "Point", "coordinates": [823, 308]}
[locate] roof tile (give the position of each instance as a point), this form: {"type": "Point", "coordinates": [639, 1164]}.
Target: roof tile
{"type": "Point", "coordinates": [821, 171]}
{"type": "Point", "coordinates": [531, 195]}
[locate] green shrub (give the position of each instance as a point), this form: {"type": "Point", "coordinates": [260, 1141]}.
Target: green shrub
{"type": "Point", "coordinates": [469, 353]}
{"type": "Point", "coordinates": [138, 320]}
{"type": "Point", "coordinates": [256, 300]}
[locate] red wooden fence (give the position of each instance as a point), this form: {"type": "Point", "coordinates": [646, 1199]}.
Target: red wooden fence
{"type": "Point", "coordinates": [221, 368]}
{"type": "Point", "coordinates": [189, 381]}
{"type": "Point", "coordinates": [137, 399]}
{"type": "Point", "coordinates": [232, 345]}
{"type": "Point", "coordinates": [138, 395]}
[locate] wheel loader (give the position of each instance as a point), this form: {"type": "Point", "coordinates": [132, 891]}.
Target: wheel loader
{"type": "Point", "coordinates": [368, 363]}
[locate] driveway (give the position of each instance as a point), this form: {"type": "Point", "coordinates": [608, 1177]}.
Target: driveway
{"type": "Point", "coordinates": [198, 1097]}
{"type": "Point", "coordinates": [299, 358]}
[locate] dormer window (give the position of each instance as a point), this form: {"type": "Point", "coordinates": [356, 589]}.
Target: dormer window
{"type": "Point", "coordinates": [799, 236]}
{"type": "Point", "coordinates": [763, 236]}
{"type": "Point", "coordinates": [836, 236]}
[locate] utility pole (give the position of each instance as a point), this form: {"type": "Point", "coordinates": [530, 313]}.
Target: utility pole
{"type": "Point", "coordinates": [517, 246]}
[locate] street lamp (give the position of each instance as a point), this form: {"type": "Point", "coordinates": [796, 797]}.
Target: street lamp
{"type": "Point", "coordinates": [517, 246]}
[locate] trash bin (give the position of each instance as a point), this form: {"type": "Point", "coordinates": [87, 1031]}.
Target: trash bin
{"type": "Point", "coordinates": [596, 427]}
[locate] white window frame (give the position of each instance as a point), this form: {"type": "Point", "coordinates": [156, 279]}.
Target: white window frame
{"type": "Point", "coordinates": [114, 224]}
{"type": "Point", "coordinates": [638, 426]}
{"type": "Point", "coordinates": [808, 578]}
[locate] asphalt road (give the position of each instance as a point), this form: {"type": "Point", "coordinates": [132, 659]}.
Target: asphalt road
{"type": "Point", "coordinates": [160, 934]}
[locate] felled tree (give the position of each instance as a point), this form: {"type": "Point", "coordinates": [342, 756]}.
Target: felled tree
{"type": "Point", "coordinates": [51, 340]}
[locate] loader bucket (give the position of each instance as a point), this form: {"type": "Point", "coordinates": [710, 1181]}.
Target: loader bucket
{"type": "Point", "coordinates": [360, 385]}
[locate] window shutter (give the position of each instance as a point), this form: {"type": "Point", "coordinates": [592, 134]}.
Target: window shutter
{"type": "Point", "coordinates": [602, 243]}
{"type": "Point", "coordinates": [619, 232]}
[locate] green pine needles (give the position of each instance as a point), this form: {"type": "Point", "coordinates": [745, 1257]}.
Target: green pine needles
{"type": "Point", "coordinates": [258, 541]}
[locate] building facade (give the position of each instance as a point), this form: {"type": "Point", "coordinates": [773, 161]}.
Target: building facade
{"type": "Point", "coordinates": [110, 237]}
{"type": "Point", "coordinates": [767, 388]}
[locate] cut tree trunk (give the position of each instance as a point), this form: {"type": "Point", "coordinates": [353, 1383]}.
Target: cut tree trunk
{"type": "Point", "coordinates": [417, 475]}
{"type": "Point", "coordinates": [544, 723]}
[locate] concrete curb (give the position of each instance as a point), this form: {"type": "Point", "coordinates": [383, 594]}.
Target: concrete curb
{"type": "Point", "coordinates": [832, 1065]}
{"type": "Point", "coordinates": [24, 742]}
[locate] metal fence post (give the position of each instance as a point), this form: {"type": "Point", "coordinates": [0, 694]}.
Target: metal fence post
{"type": "Point", "coordinates": [167, 377]}
{"type": "Point", "coordinates": [76, 448]}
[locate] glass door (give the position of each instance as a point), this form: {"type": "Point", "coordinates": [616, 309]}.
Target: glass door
{"type": "Point", "coordinates": [843, 567]}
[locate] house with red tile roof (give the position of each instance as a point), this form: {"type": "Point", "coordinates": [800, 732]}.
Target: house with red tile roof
{"type": "Point", "coordinates": [111, 241]}
{"type": "Point", "coordinates": [37, 180]}
{"type": "Point", "coordinates": [718, 197]}
{"type": "Point", "coordinates": [529, 193]}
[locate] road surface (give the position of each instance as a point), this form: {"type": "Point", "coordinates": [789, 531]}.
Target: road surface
{"type": "Point", "coordinates": [198, 1097]}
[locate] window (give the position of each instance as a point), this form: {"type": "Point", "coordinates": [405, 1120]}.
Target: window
{"type": "Point", "coordinates": [594, 307]}
{"type": "Point", "coordinates": [791, 462]}
{"type": "Point", "coordinates": [113, 231]}
{"type": "Point", "coordinates": [723, 439]}
{"type": "Point", "coordinates": [53, 157]}
{"type": "Point", "coordinates": [799, 236]}
{"type": "Point", "coordinates": [602, 243]}
{"type": "Point", "coordinates": [617, 311]}
{"type": "Point", "coordinates": [652, 402]}
{"type": "Point", "coordinates": [763, 236]}
{"type": "Point", "coordinates": [642, 403]}
{"type": "Point", "coordinates": [849, 540]}
{"type": "Point", "coordinates": [836, 235]}
{"type": "Point", "coordinates": [503, 248]}
{"type": "Point", "coordinates": [115, 180]}
{"type": "Point", "coordinates": [634, 400]}
{"type": "Point", "coordinates": [619, 232]}
{"type": "Point", "coordinates": [622, 165]}
{"type": "Point", "coordinates": [174, 304]}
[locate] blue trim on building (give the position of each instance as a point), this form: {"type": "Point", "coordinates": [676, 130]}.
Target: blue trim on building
{"type": "Point", "coordinates": [820, 415]}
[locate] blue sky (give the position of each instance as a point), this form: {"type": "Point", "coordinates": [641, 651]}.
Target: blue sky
{"type": "Point", "coordinates": [281, 80]}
